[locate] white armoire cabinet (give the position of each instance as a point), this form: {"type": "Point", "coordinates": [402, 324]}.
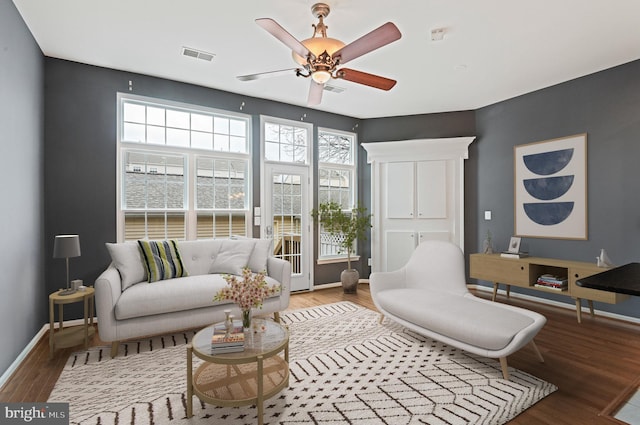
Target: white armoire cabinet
{"type": "Point", "coordinates": [417, 194]}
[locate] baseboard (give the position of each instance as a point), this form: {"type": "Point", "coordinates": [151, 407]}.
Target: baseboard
{"type": "Point", "coordinates": [23, 355]}
{"type": "Point", "coordinates": [34, 341]}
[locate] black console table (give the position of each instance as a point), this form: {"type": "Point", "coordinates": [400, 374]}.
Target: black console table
{"type": "Point", "coordinates": [623, 280]}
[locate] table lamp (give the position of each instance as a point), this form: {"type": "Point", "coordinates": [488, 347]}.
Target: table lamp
{"type": "Point", "coordinates": [66, 246]}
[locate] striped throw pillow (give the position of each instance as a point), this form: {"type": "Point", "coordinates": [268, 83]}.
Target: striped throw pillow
{"type": "Point", "coordinates": [162, 260]}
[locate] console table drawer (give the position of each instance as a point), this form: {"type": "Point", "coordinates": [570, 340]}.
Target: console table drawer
{"type": "Point", "coordinates": [499, 270]}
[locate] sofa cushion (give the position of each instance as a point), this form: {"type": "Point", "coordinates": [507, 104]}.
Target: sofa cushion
{"type": "Point", "coordinates": [258, 258]}
{"type": "Point", "coordinates": [167, 296]}
{"type": "Point", "coordinates": [233, 256]}
{"type": "Point", "coordinates": [488, 326]}
{"type": "Point", "coordinates": [162, 260]}
{"type": "Point", "coordinates": [127, 258]}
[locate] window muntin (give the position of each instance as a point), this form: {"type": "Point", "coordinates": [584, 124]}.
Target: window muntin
{"type": "Point", "coordinates": [154, 124]}
{"type": "Point", "coordinates": [335, 148]}
{"type": "Point", "coordinates": [170, 188]}
{"type": "Point", "coordinates": [221, 183]}
{"type": "Point", "coordinates": [286, 143]}
{"type": "Point", "coordinates": [153, 181]}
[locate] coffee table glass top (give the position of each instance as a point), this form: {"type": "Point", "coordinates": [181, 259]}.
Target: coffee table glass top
{"type": "Point", "coordinates": [270, 339]}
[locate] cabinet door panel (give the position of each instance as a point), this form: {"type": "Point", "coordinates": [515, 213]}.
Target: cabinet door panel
{"type": "Point", "coordinates": [400, 188]}
{"type": "Point", "coordinates": [400, 246]}
{"type": "Point", "coordinates": [494, 268]}
{"type": "Point", "coordinates": [431, 189]}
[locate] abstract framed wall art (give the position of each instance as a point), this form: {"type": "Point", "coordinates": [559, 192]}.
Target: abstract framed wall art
{"type": "Point", "coordinates": [550, 185]}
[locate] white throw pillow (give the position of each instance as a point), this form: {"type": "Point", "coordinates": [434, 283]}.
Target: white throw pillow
{"type": "Point", "coordinates": [128, 260]}
{"type": "Point", "coordinates": [261, 251]}
{"type": "Point", "coordinates": [232, 257]}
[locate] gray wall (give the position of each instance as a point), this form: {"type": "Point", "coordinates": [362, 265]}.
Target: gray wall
{"type": "Point", "coordinates": [23, 296]}
{"type": "Point", "coordinates": [80, 170]}
{"type": "Point", "coordinates": [606, 106]}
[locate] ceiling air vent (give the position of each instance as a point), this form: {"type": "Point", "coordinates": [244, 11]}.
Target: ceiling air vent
{"type": "Point", "coordinates": [334, 89]}
{"type": "Point", "coordinates": [198, 54]}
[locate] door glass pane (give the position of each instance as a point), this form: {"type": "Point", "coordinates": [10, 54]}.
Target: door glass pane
{"type": "Point", "coordinates": [287, 207]}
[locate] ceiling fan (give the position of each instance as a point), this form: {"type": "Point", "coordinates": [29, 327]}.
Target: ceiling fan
{"type": "Point", "coordinates": [320, 56]}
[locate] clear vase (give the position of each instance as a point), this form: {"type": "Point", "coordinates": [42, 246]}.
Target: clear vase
{"type": "Point", "coordinates": [246, 319]}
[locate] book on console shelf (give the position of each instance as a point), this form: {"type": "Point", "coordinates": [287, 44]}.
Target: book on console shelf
{"type": "Point", "coordinates": [553, 279]}
{"type": "Point", "coordinates": [549, 281]}
{"type": "Point", "coordinates": [553, 288]}
{"type": "Point", "coordinates": [507, 254]}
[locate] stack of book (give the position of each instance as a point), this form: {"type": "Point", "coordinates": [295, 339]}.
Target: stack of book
{"type": "Point", "coordinates": [549, 281]}
{"type": "Point", "coordinates": [227, 342]}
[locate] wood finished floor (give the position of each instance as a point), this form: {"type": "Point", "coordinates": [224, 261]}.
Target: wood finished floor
{"type": "Point", "coordinates": [591, 363]}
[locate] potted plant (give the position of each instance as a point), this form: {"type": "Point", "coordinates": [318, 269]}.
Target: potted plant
{"type": "Point", "coordinates": [346, 227]}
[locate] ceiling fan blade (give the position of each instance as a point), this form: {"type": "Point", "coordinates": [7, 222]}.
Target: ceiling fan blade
{"type": "Point", "coordinates": [276, 30]}
{"type": "Point", "coordinates": [251, 77]}
{"type": "Point", "coordinates": [377, 38]}
{"type": "Point", "coordinates": [370, 80]}
{"type": "Point", "coordinates": [315, 93]}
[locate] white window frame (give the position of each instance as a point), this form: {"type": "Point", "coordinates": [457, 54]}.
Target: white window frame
{"type": "Point", "coordinates": [353, 170]}
{"type": "Point", "coordinates": [191, 155]}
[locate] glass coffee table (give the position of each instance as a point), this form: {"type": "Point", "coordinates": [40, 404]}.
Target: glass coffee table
{"type": "Point", "coordinates": [243, 378]}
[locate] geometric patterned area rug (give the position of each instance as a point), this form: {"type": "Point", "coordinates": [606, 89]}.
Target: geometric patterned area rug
{"type": "Point", "coordinates": [345, 367]}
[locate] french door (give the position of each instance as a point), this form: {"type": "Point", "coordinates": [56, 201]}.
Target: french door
{"type": "Point", "coordinates": [287, 219]}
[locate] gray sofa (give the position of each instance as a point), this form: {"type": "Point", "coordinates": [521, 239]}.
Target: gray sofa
{"type": "Point", "coordinates": [127, 306]}
{"type": "Point", "coordinates": [429, 295]}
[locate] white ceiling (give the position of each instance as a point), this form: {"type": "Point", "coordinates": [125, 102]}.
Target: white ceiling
{"type": "Point", "coordinates": [492, 49]}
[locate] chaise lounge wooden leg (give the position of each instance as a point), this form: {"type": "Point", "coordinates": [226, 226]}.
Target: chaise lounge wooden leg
{"type": "Point", "coordinates": [538, 353]}
{"type": "Point", "coordinates": [276, 316]}
{"type": "Point", "coordinates": [504, 367]}
{"type": "Point", "coordinates": [381, 319]}
{"type": "Point", "coordinates": [114, 348]}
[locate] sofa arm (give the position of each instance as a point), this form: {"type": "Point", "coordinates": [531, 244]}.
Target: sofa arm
{"type": "Point", "coordinates": [108, 289]}
{"type": "Point", "coordinates": [280, 270]}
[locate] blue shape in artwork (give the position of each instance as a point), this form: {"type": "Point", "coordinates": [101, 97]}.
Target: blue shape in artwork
{"type": "Point", "coordinates": [548, 188]}
{"type": "Point", "coordinates": [547, 163]}
{"type": "Point", "coordinates": [548, 213]}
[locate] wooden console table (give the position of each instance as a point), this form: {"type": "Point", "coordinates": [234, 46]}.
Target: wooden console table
{"type": "Point", "coordinates": [524, 272]}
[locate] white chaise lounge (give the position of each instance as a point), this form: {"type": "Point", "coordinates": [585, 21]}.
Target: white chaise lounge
{"type": "Point", "coordinates": [429, 295]}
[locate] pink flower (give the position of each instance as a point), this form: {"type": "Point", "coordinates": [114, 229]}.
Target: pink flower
{"type": "Point", "coordinates": [248, 292]}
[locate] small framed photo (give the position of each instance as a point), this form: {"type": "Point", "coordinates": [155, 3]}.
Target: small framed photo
{"type": "Point", "coordinates": [514, 245]}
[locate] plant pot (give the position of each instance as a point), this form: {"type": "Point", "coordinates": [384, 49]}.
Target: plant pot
{"type": "Point", "coordinates": [349, 279]}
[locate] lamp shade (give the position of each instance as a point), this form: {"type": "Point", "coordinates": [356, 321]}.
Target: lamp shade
{"type": "Point", "coordinates": [66, 246]}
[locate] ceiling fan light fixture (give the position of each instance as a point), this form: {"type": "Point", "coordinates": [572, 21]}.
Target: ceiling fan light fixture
{"type": "Point", "coordinates": [317, 46]}
{"type": "Point", "coordinates": [321, 77]}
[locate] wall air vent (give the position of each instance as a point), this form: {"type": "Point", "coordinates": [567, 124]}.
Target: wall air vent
{"type": "Point", "coordinates": [198, 54]}
{"type": "Point", "coordinates": [334, 89]}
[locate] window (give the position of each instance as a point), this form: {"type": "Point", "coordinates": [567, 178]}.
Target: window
{"type": "Point", "coordinates": [286, 143]}
{"type": "Point", "coordinates": [336, 177]}
{"type": "Point", "coordinates": [184, 171]}
{"type": "Point", "coordinates": [221, 186]}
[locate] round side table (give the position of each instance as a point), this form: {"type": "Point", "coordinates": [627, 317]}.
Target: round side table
{"type": "Point", "coordinates": [75, 335]}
